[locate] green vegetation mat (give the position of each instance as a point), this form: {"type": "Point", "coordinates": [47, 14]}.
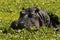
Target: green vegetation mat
{"type": "Point", "coordinates": [9, 11]}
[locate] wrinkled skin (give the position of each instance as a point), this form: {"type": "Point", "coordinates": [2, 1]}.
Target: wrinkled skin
{"type": "Point", "coordinates": [45, 19]}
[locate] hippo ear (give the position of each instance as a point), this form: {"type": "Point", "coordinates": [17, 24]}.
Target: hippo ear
{"type": "Point", "coordinates": [37, 10]}
{"type": "Point", "coordinates": [23, 8]}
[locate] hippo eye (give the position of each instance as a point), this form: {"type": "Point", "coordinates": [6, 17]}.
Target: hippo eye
{"type": "Point", "coordinates": [23, 12]}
